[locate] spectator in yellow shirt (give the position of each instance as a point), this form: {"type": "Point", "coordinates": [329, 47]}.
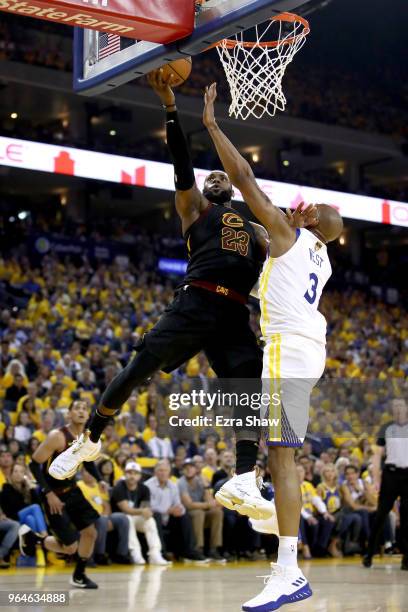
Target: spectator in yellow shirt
{"type": "Point", "coordinates": [210, 464]}
{"type": "Point", "coordinates": [316, 523]}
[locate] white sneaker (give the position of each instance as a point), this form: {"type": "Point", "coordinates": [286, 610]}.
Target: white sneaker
{"type": "Point", "coordinates": [157, 559]}
{"type": "Point", "coordinates": [285, 585]}
{"type": "Point", "coordinates": [137, 559]}
{"type": "Point", "coordinates": [242, 494]}
{"type": "Point", "coordinates": [269, 525]}
{"type": "Point", "coordinates": [67, 463]}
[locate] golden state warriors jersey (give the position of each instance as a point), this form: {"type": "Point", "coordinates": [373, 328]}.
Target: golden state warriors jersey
{"type": "Point", "coordinates": [291, 286]}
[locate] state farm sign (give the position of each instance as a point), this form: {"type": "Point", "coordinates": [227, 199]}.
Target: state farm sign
{"type": "Point", "coordinates": [159, 22]}
{"type": "Point", "coordinates": [156, 175]}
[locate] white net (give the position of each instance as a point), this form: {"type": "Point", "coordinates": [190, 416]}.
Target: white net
{"type": "Point", "coordinates": [255, 70]}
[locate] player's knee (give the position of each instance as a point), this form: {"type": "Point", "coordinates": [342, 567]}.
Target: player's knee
{"type": "Point", "coordinates": [70, 549]}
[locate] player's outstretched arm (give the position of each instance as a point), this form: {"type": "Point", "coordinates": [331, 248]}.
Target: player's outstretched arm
{"type": "Point", "coordinates": [241, 175]}
{"type": "Point", "coordinates": [189, 200]}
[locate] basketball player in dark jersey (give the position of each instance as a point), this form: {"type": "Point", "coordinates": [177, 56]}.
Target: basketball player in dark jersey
{"type": "Point", "coordinates": [209, 311]}
{"type": "Point", "coordinates": [70, 516]}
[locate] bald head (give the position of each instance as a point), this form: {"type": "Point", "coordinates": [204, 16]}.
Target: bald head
{"type": "Point", "coordinates": [330, 223]}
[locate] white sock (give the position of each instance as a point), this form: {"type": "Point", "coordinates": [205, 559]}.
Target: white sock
{"type": "Point", "coordinates": [287, 551]}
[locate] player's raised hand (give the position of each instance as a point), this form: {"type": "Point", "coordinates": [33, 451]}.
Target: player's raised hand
{"type": "Point", "coordinates": [300, 217]}
{"type": "Point", "coordinates": [210, 96]}
{"type": "Point", "coordinates": [162, 86]}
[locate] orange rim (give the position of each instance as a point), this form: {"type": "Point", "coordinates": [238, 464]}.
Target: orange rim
{"type": "Point", "coordinates": [288, 17]}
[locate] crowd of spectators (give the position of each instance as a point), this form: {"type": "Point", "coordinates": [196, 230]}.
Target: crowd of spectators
{"type": "Point", "coordinates": [70, 326]}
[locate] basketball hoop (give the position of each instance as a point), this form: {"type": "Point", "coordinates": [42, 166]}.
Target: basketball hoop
{"type": "Point", "coordinates": [255, 70]}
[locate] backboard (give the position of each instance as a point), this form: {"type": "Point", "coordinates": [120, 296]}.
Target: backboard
{"type": "Point", "coordinates": [104, 61]}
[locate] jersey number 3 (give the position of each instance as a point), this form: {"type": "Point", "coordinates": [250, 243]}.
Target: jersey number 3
{"type": "Point", "coordinates": [235, 241]}
{"type": "Point", "coordinates": [310, 295]}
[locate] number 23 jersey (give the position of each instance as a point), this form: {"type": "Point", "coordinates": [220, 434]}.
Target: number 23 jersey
{"type": "Point", "coordinates": [291, 286]}
{"type": "Point", "coordinates": [223, 250]}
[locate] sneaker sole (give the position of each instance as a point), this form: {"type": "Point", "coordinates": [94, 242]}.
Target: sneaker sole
{"type": "Point", "coordinates": [81, 586]}
{"type": "Point", "coordinates": [243, 507]}
{"type": "Point", "coordinates": [303, 593]}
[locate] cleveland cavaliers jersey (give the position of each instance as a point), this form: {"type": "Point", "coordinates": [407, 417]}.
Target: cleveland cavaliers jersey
{"type": "Point", "coordinates": [223, 249]}
{"type": "Point", "coordinates": [291, 286]}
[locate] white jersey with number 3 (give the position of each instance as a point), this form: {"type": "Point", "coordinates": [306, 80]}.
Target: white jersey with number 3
{"type": "Point", "coordinates": [290, 289]}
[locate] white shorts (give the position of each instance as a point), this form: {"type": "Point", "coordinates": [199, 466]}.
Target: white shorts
{"type": "Point", "coordinates": [292, 365]}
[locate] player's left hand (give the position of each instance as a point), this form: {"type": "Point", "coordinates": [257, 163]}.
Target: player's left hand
{"type": "Point", "coordinates": [300, 217]}
{"type": "Point", "coordinates": [210, 96]}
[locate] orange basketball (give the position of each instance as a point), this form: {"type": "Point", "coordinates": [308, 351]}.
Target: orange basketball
{"type": "Point", "coordinates": [180, 69]}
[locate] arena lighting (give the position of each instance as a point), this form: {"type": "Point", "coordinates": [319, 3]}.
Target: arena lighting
{"type": "Point", "coordinates": [112, 132]}
{"type": "Point", "coordinates": [286, 163]}
{"type": "Point", "coordinates": [23, 215]}
{"type": "Point", "coordinates": [57, 159]}
{"type": "Point", "coordinates": [14, 115]}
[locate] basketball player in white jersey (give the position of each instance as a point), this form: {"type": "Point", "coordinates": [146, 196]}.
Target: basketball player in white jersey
{"type": "Point", "coordinates": [294, 274]}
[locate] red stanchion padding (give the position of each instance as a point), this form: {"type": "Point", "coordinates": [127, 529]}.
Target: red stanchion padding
{"type": "Point", "coordinates": [151, 20]}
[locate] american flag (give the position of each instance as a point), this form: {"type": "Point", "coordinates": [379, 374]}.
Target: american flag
{"type": "Point", "coordinates": [107, 44]}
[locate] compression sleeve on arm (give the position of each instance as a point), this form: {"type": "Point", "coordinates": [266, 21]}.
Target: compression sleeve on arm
{"type": "Point", "coordinates": [37, 472]}
{"type": "Point", "coordinates": [179, 152]}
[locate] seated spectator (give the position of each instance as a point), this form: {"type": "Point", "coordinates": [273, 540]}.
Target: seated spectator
{"type": "Point", "coordinates": [31, 404]}
{"type": "Point", "coordinates": [132, 497]}
{"type": "Point", "coordinates": [316, 523]}
{"type": "Point", "coordinates": [179, 459]}
{"type": "Point", "coordinates": [227, 464]}
{"type": "Point", "coordinates": [23, 431]}
{"type": "Point", "coordinates": [14, 392]}
{"type": "Point", "coordinates": [9, 532]}
{"type": "Point", "coordinates": [14, 368]}
{"type": "Point", "coordinates": [110, 440]}
{"type": "Point", "coordinates": [47, 423]}
{"type": "Point", "coordinates": [347, 527]}
{"type": "Point", "coordinates": [210, 464]}
{"type": "Point", "coordinates": [309, 466]}
{"type": "Point", "coordinates": [98, 497]}
{"type": "Point", "coordinates": [131, 411]}
{"type": "Point", "coordinates": [359, 497]}
{"type": "Point", "coordinates": [160, 445]}
{"type": "Point", "coordinates": [151, 430]}
{"type": "Point", "coordinates": [171, 514]}
{"type": "Point", "coordinates": [106, 471]}
{"type": "Point", "coordinates": [21, 502]}
{"type": "Point", "coordinates": [202, 508]}
{"type": "Point", "coordinates": [6, 465]}
{"type": "Point", "coordinates": [133, 437]}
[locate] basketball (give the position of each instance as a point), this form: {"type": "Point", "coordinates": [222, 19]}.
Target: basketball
{"type": "Point", "coordinates": [180, 69]}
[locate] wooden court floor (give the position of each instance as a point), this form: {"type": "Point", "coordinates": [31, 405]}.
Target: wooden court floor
{"type": "Point", "coordinates": [339, 586]}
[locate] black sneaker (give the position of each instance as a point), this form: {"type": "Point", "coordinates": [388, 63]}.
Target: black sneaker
{"type": "Point", "coordinates": [102, 560]}
{"type": "Point", "coordinates": [367, 560]}
{"type": "Point", "coordinates": [4, 564]}
{"type": "Point", "coordinates": [214, 555]}
{"type": "Point", "coordinates": [196, 557]}
{"type": "Point", "coordinates": [404, 563]}
{"type": "Point", "coordinates": [83, 582]}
